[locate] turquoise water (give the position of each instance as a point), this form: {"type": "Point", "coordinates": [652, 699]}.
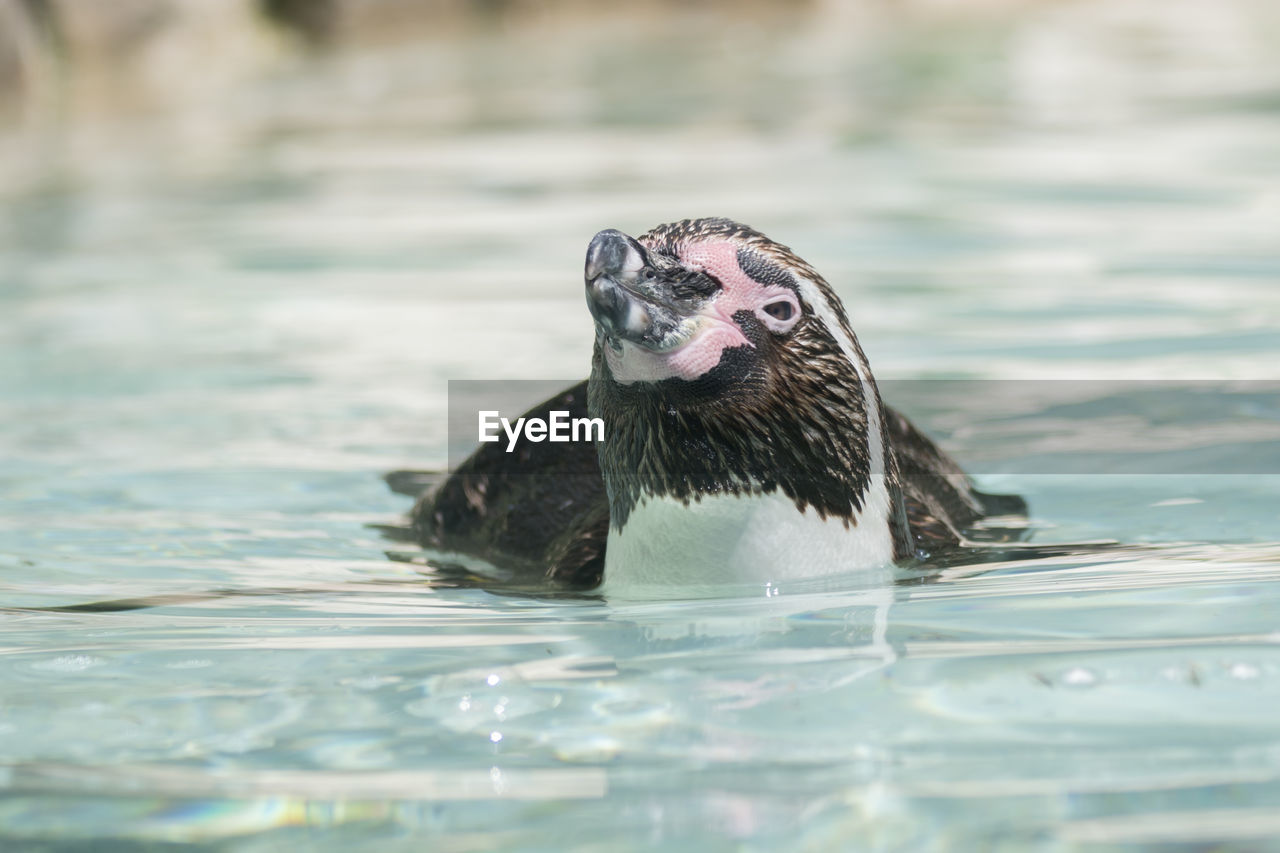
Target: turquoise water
{"type": "Point", "coordinates": [222, 326]}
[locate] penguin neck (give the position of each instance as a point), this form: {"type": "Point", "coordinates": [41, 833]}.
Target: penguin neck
{"type": "Point", "coordinates": [744, 462]}
{"type": "Point", "coordinates": [654, 449]}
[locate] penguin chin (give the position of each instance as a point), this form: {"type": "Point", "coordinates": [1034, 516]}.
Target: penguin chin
{"type": "Point", "coordinates": [688, 360]}
{"type": "Point", "coordinates": [741, 381]}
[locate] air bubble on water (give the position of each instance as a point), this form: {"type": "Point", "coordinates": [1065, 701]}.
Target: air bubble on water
{"type": "Point", "coordinates": [1078, 676]}
{"type": "Point", "coordinates": [1244, 671]}
{"type": "Point", "coordinates": [69, 663]}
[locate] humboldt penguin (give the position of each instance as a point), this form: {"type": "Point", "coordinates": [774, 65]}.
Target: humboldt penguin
{"type": "Point", "coordinates": [744, 437]}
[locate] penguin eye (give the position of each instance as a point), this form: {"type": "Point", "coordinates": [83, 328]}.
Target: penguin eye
{"type": "Point", "coordinates": [781, 310]}
{"type": "Point", "coordinates": [780, 314]}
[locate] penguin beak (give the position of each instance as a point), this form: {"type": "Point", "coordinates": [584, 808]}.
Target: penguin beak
{"type": "Point", "coordinates": [628, 300]}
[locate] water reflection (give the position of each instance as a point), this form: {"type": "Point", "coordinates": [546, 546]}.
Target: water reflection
{"type": "Point", "coordinates": [866, 696]}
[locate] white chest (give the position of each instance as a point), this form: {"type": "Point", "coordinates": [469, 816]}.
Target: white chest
{"type": "Point", "coordinates": [729, 539]}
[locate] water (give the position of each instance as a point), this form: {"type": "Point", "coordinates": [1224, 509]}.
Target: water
{"type": "Point", "coordinates": [222, 325]}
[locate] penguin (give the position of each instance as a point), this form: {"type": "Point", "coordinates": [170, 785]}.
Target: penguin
{"type": "Point", "coordinates": [744, 438]}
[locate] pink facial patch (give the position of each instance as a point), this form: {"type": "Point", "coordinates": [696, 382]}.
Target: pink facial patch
{"type": "Point", "coordinates": [717, 331]}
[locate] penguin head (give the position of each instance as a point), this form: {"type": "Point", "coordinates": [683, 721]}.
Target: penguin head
{"type": "Point", "coordinates": [724, 364]}
{"type": "Point", "coordinates": [711, 311]}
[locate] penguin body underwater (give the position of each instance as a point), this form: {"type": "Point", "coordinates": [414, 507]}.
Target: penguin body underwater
{"type": "Point", "coordinates": [744, 437]}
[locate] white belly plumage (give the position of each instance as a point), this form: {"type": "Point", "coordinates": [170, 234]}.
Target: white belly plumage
{"type": "Point", "coordinates": [732, 539]}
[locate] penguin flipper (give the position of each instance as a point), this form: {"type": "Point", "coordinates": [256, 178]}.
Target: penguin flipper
{"type": "Point", "coordinates": [539, 513]}
{"type": "Point", "coordinates": [1014, 505]}
{"type": "Point", "coordinates": [412, 483]}
{"type": "Point", "coordinates": [943, 507]}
